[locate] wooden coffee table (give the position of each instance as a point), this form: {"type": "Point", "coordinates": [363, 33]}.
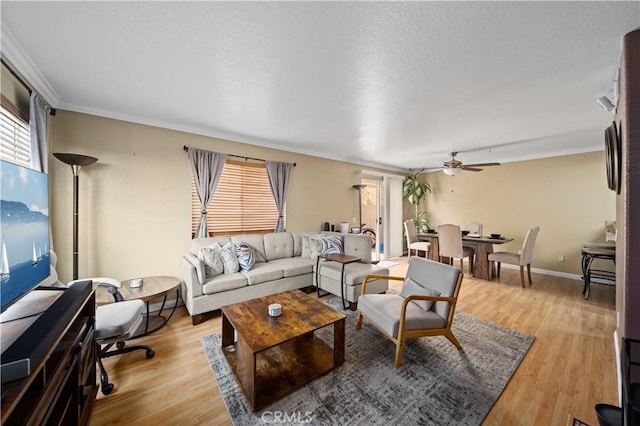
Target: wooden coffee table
{"type": "Point", "coordinates": [273, 356]}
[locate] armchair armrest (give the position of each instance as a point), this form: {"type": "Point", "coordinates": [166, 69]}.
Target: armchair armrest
{"type": "Point", "coordinates": [378, 277]}
{"type": "Point", "coordinates": [193, 274]}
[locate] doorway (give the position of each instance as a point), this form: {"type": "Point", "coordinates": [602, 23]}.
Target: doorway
{"type": "Point", "coordinates": [372, 220]}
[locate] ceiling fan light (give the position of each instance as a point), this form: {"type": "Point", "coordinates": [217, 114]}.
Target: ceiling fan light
{"type": "Point", "coordinates": [451, 171]}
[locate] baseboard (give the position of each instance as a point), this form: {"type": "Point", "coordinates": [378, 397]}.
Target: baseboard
{"type": "Point", "coordinates": [546, 272]}
{"type": "Point", "coordinates": [559, 274]}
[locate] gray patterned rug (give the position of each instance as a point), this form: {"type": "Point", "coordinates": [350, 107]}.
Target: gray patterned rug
{"type": "Point", "coordinates": [436, 384]}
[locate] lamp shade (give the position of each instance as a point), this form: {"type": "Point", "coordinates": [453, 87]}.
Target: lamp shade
{"type": "Point", "coordinates": [451, 171]}
{"type": "Point", "coordinates": [75, 159]}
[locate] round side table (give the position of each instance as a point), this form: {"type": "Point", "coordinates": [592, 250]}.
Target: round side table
{"type": "Point", "coordinates": [152, 289]}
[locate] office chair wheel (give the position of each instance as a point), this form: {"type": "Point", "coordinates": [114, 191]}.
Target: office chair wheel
{"type": "Point", "coordinates": [106, 389]}
{"type": "Point", "coordinates": [150, 353]}
{"type": "Point", "coordinates": [120, 345]}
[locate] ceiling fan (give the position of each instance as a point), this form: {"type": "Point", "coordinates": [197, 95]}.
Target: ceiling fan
{"type": "Point", "coordinates": [453, 166]}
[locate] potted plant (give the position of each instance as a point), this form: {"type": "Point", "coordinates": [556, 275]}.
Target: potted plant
{"type": "Point", "coordinates": [415, 191]}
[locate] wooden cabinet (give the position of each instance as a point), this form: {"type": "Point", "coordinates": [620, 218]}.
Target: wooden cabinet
{"type": "Point", "coordinates": [62, 386]}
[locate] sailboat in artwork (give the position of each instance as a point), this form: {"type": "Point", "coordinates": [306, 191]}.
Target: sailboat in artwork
{"type": "Point", "coordinates": [4, 263]}
{"type": "Point", "coordinates": [35, 256]}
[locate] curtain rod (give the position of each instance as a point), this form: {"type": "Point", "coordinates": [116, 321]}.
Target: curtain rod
{"type": "Point", "coordinates": [25, 85]}
{"type": "Point", "coordinates": [186, 149]}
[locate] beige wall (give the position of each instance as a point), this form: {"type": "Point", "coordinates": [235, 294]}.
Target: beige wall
{"type": "Point", "coordinates": [566, 196]}
{"type": "Point", "coordinates": [135, 211]}
{"type": "Point", "coordinates": [135, 205]}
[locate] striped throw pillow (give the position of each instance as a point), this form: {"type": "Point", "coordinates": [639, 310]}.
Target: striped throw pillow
{"type": "Point", "coordinates": [325, 245]}
{"type": "Point", "coordinates": [246, 256]}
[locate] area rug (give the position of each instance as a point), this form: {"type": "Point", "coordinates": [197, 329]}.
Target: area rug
{"type": "Point", "coordinates": [388, 263]}
{"type": "Point", "coordinates": [436, 384]}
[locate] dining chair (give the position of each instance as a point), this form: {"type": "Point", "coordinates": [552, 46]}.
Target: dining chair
{"type": "Point", "coordinates": [411, 234]}
{"type": "Point", "coordinates": [472, 227]}
{"type": "Point", "coordinates": [522, 258]}
{"type": "Point", "coordinates": [450, 244]}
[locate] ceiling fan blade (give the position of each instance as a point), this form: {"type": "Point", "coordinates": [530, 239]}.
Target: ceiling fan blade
{"type": "Point", "coordinates": [470, 169]}
{"type": "Point", "coordinates": [483, 164]}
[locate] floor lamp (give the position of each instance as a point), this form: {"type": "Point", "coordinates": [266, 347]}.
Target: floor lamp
{"type": "Point", "coordinates": [359, 187]}
{"type": "Point", "coordinates": [75, 161]}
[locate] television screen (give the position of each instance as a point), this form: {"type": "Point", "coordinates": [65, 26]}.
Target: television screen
{"type": "Point", "coordinates": [24, 229]}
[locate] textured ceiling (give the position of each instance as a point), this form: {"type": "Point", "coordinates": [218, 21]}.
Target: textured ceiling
{"type": "Point", "coordinates": [393, 84]}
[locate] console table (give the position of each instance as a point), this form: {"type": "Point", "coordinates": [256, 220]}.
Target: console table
{"type": "Point", "coordinates": [58, 339]}
{"type": "Point", "coordinates": [591, 253]}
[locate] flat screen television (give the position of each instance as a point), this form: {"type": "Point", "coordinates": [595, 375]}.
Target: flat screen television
{"type": "Point", "coordinates": [24, 229]}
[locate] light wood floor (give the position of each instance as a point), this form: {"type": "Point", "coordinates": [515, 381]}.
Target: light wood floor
{"type": "Point", "coordinates": [570, 367]}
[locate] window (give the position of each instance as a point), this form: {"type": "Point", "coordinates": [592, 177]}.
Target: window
{"type": "Point", "coordinates": [242, 203]}
{"type": "Point", "coordinates": [15, 143]}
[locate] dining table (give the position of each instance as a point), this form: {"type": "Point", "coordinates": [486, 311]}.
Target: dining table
{"type": "Point", "coordinates": [483, 245]}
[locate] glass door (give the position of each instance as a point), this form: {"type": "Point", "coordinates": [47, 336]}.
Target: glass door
{"type": "Point", "coordinates": [372, 200]}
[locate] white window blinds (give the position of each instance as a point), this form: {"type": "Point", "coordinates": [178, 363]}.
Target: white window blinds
{"type": "Point", "coordinates": [242, 203]}
{"type": "Point", "coordinates": [15, 144]}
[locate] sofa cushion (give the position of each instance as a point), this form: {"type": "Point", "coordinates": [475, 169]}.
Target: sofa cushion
{"type": "Point", "coordinates": [294, 266]}
{"type": "Point", "coordinates": [255, 241]}
{"type": "Point", "coordinates": [297, 242]}
{"type": "Point", "coordinates": [411, 287]}
{"type": "Point", "coordinates": [246, 256]}
{"type": "Point", "coordinates": [354, 273]}
{"type": "Point", "coordinates": [230, 258]}
{"type": "Point", "coordinates": [384, 310]}
{"type": "Point", "coordinates": [198, 243]}
{"type": "Point", "coordinates": [263, 272]}
{"type": "Point", "coordinates": [211, 259]}
{"type": "Point", "coordinates": [278, 245]}
{"type": "Point", "coordinates": [358, 245]}
{"type": "Point", "coordinates": [224, 282]}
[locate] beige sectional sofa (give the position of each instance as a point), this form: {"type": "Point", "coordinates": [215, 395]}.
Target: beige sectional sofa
{"type": "Point", "coordinates": [279, 266]}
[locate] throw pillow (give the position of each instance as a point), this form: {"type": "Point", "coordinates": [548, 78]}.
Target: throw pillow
{"type": "Point", "coordinates": [229, 258]}
{"type": "Point", "coordinates": [306, 246]}
{"type": "Point", "coordinates": [212, 260]}
{"type": "Point", "coordinates": [246, 256]}
{"type": "Point", "coordinates": [411, 287]}
{"type": "Point", "coordinates": [325, 245]}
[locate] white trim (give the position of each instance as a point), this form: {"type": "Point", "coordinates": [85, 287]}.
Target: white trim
{"type": "Point", "coordinates": [25, 66]}
{"type": "Point", "coordinates": [374, 173]}
{"type": "Point", "coordinates": [576, 277]}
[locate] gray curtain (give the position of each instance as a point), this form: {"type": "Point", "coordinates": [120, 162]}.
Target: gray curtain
{"type": "Point", "coordinates": [39, 130]}
{"type": "Point", "coordinates": [279, 176]}
{"type": "Point", "coordinates": [206, 167]}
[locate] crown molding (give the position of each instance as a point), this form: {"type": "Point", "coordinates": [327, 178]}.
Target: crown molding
{"type": "Point", "coordinates": [218, 134]}
{"type": "Point", "coordinates": [25, 66]}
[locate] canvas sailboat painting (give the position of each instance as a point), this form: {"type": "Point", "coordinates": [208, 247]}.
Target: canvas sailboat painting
{"type": "Point", "coordinates": [4, 263]}
{"type": "Point", "coordinates": [24, 228]}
